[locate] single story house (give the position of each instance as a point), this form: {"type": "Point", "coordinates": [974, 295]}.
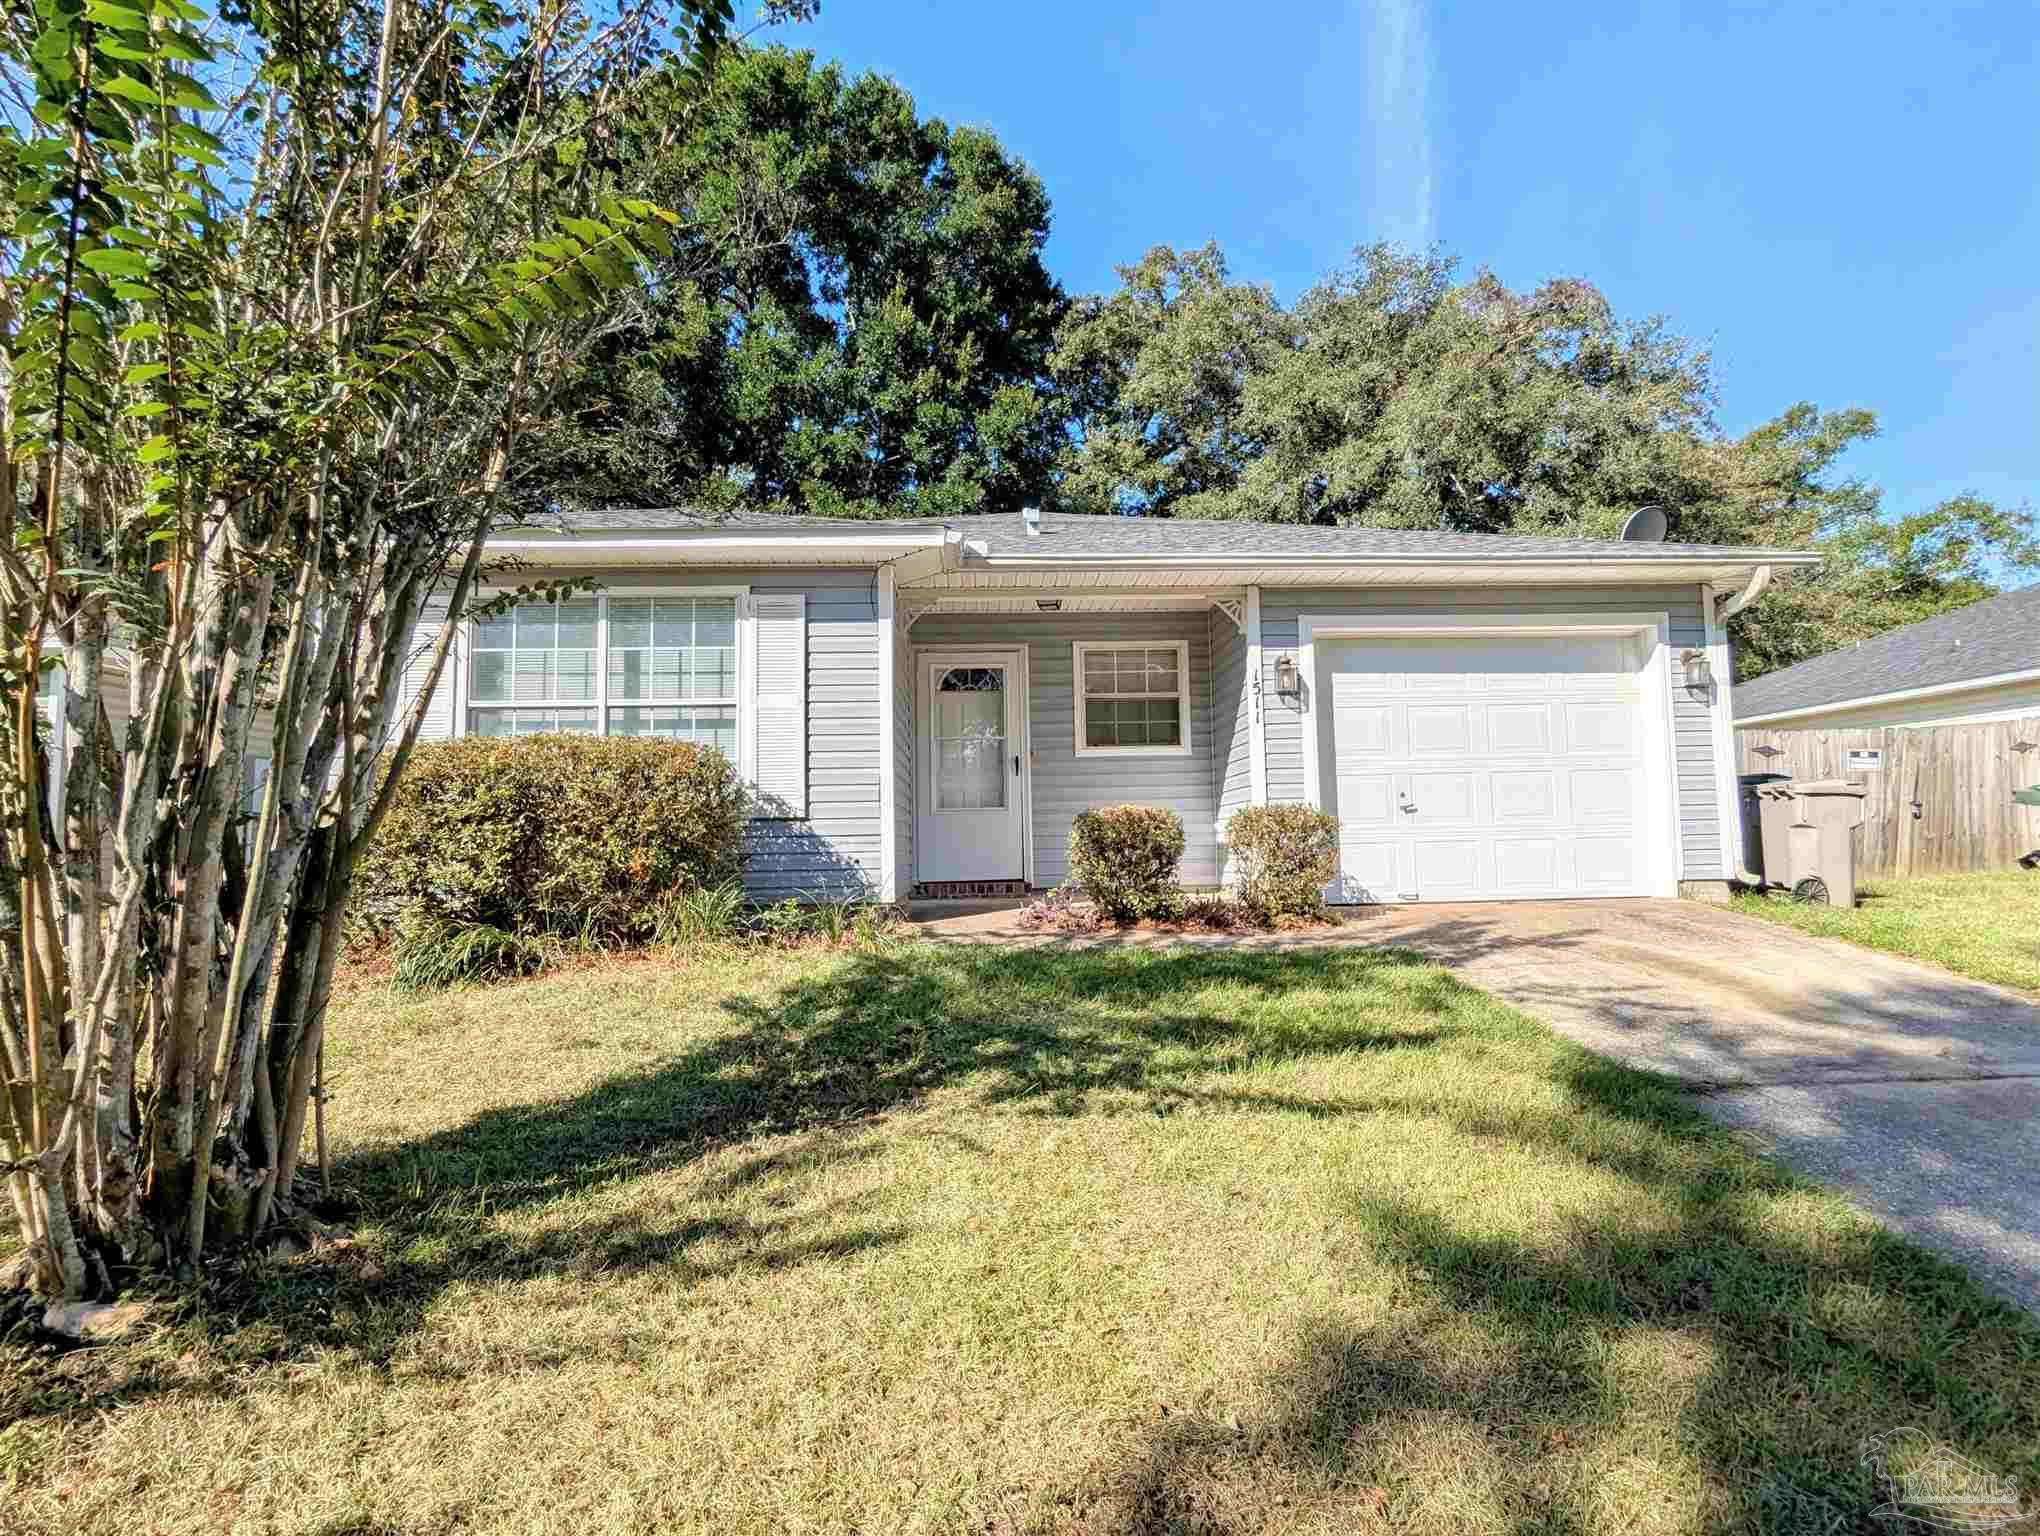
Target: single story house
{"type": "Point", "coordinates": [925, 706]}
{"type": "Point", "coordinates": [1976, 664]}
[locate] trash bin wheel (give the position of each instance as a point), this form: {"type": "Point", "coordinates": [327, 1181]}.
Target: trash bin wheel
{"type": "Point", "coordinates": [1812, 889]}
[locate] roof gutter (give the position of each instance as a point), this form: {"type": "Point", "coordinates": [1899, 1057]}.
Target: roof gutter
{"type": "Point", "coordinates": [1898, 696]}
{"type": "Point", "coordinates": [1766, 557]}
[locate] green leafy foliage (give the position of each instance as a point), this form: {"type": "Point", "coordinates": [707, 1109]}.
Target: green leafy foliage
{"type": "Point", "coordinates": [433, 955]}
{"type": "Point", "coordinates": [1392, 395]}
{"type": "Point", "coordinates": [852, 319]}
{"type": "Point", "coordinates": [1125, 857]}
{"type": "Point", "coordinates": [707, 914]}
{"type": "Point", "coordinates": [573, 836]}
{"type": "Point", "coordinates": [1283, 857]}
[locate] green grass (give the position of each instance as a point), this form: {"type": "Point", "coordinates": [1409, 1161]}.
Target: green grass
{"type": "Point", "coordinates": [976, 1240]}
{"type": "Point", "coordinates": [1983, 925]}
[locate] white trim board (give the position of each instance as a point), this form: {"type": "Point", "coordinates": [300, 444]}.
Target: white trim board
{"type": "Point", "coordinates": [888, 741]}
{"type": "Point", "coordinates": [1257, 721]}
{"type": "Point", "coordinates": [1665, 839]}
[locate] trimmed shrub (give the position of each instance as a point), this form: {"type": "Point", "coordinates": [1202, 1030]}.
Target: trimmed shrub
{"type": "Point", "coordinates": [1125, 857]}
{"type": "Point", "coordinates": [1283, 857]}
{"type": "Point", "coordinates": [584, 837]}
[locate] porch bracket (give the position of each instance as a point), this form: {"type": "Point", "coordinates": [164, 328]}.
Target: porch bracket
{"type": "Point", "coordinates": [1234, 608]}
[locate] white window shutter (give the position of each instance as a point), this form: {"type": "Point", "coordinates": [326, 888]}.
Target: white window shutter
{"type": "Point", "coordinates": [438, 722]}
{"type": "Point", "coordinates": [779, 704]}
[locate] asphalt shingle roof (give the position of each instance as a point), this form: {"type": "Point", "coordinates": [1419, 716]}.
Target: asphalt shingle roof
{"type": "Point", "coordinates": [1111, 537]}
{"type": "Point", "coordinates": [2000, 634]}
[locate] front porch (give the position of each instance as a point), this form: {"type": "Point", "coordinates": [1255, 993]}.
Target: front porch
{"type": "Point", "coordinates": [1015, 710]}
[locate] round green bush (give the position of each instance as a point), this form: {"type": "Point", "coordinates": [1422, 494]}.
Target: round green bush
{"type": "Point", "coordinates": [579, 836]}
{"type": "Point", "coordinates": [1125, 857]}
{"type": "Point", "coordinates": [1283, 857]}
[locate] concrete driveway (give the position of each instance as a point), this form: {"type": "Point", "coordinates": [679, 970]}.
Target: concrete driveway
{"type": "Point", "coordinates": [1915, 1092]}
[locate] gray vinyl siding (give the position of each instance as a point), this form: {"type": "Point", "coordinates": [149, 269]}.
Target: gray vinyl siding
{"type": "Point", "coordinates": [904, 737]}
{"type": "Point", "coordinates": [1063, 783]}
{"type": "Point", "coordinates": [1232, 775]}
{"type": "Point", "coordinates": [1699, 795]}
{"type": "Point", "coordinates": [835, 849]}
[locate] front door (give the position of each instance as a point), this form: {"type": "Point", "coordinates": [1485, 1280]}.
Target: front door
{"type": "Point", "coordinates": [973, 725]}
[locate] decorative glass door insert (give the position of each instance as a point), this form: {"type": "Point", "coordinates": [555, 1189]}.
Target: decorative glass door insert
{"type": "Point", "coordinates": [970, 739]}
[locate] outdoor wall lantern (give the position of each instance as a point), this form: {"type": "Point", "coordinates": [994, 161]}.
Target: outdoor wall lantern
{"type": "Point", "coordinates": [1699, 672]}
{"type": "Point", "coordinates": [1286, 680]}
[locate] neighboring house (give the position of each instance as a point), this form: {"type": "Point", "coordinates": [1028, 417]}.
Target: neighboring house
{"type": "Point", "coordinates": [927, 706]}
{"type": "Point", "coordinates": [1978, 663]}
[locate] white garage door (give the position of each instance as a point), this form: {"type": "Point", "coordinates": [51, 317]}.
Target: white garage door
{"type": "Point", "coordinates": [1486, 768]}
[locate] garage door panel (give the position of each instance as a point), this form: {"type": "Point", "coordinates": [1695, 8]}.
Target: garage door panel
{"type": "Point", "coordinates": [1603, 795]}
{"type": "Point", "coordinates": [1480, 767]}
{"type": "Point", "coordinates": [1442, 798]}
{"type": "Point", "coordinates": [1527, 866]}
{"type": "Point", "coordinates": [1440, 730]}
{"type": "Point", "coordinates": [1524, 728]}
{"type": "Point", "coordinates": [1363, 733]}
{"type": "Point", "coordinates": [1368, 871]}
{"type": "Point", "coordinates": [1517, 682]}
{"type": "Point", "coordinates": [1601, 725]}
{"type": "Point", "coordinates": [1524, 795]}
{"type": "Point", "coordinates": [1447, 867]}
{"type": "Point", "coordinates": [1366, 800]}
{"type": "Point", "coordinates": [1606, 864]}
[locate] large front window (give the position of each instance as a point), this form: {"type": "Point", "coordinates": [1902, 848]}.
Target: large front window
{"type": "Point", "coordinates": [623, 666]}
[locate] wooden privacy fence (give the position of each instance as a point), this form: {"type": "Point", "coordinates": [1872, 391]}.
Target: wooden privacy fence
{"type": "Point", "coordinates": [1940, 796]}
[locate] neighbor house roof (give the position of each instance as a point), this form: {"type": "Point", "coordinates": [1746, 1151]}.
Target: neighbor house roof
{"type": "Point", "coordinates": [1993, 641]}
{"type": "Point", "coordinates": [1078, 537]}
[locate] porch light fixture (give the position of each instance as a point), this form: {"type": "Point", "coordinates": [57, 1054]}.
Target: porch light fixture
{"type": "Point", "coordinates": [1699, 672]}
{"type": "Point", "coordinates": [1049, 604]}
{"type": "Point", "coordinates": [1286, 679]}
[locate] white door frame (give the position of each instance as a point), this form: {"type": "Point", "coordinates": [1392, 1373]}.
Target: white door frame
{"type": "Point", "coordinates": [1661, 828]}
{"type": "Point", "coordinates": [926, 658]}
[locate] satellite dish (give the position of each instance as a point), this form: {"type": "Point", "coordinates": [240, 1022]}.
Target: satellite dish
{"type": "Point", "coordinates": [1646, 525]}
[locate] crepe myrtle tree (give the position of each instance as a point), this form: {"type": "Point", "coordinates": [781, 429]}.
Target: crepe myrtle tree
{"type": "Point", "coordinates": [280, 288]}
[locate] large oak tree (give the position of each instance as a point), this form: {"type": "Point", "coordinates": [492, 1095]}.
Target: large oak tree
{"type": "Point", "coordinates": [855, 320]}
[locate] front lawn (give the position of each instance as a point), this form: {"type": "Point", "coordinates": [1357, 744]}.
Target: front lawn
{"type": "Point", "coordinates": [981, 1240]}
{"type": "Point", "coordinates": [1983, 925]}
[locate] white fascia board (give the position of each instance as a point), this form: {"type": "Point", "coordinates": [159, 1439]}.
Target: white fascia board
{"type": "Point", "coordinates": [1898, 696]}
{"type": "Point", "coordinates": [1740, 559]}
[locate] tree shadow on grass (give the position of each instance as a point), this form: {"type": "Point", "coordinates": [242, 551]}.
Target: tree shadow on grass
{"type": "Point", "coordinates": [1493, 1373]}
{"type": "Point", "coordinates": [810, 1067]}
{"type": "Point", "coordinates": [1525, 1386]}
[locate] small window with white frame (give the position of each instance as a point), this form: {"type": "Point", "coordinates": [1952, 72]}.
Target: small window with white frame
{"type": "Point", "coordinates": [1133, 698]}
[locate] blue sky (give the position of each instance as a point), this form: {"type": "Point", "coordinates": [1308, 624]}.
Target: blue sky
{"type": "Point", "coordinates": [1842, 200]}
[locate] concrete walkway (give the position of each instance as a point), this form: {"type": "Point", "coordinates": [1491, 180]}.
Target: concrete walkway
{"type": "Point", "coordinates": [1915, 1092]}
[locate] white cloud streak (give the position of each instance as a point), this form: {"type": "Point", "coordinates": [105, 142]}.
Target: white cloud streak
{"type": "Point", "coordinates": [1402, 149]}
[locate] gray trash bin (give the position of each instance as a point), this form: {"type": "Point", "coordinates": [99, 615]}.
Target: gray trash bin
{"type": "Point", "coordinates": [1777, 810]}
{"type": "Point", "coordinates": [1823, 834]}
{"type": "Point", "coordinates": [1752, 818]}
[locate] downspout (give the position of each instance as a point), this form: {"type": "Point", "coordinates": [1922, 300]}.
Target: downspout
{"type": "Point", "coordinates": [1720, 609]}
